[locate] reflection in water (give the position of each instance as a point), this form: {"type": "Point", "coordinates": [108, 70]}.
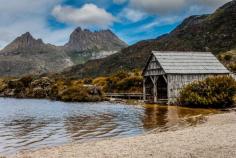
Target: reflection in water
{"type": "Point", "coordinates": [85, 127]}
{"type": "Point", "coordinates": [154, 117]}
{"type": "Point", "coordinates": [22, 127]}
{"type": "Point", "coordinates": [32, 124]}
{"type": "Point", "coordinates": [164, 118]}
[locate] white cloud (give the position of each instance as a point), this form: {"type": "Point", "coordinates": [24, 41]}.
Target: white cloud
{"type": "Point", "coordinates": [88, 15]}
{"type": "Point", "coordinates": [210, 3]}
{"type": "Point", "coordinates": [163, 7]}
{"type": "Point", "coordinates": [162, 22]}
{"type": "Point", "coordinates": [131, 15]}
{"type": "Point", "coordinates": [168, 11]}
{"type": "Point", "coordinates": [18, 17]}
{"type": "Point", "coordinates": [26, 6]}
{"type": "Point", "coordinates": [157, 6]}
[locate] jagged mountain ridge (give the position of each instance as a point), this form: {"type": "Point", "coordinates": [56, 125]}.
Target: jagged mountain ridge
{"type": "Point", "coordinates": [215, 32]}
{"type": "Point", "coordinates": [84, 45]}
{"type": "Point", "coordinates": [26, 43]}
{"type": "Point", "coordinates": [22, 42]}
{"type": "Point", "coordinates": [83, 40]}
{"type": "Point", "coordinates": [27, 55]}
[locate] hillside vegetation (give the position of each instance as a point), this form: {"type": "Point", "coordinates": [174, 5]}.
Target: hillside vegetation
{"type": "Point", "coordinates": [229, 59]}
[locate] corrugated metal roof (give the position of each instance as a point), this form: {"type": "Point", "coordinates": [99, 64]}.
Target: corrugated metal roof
{"type": "Point", "coordinates": [190, 63]}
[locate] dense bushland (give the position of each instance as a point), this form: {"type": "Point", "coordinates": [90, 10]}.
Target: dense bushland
{"type": "Point", "coordinates": [121, 82]}
{"type": "Point", "coordinates": [45, 87]}
{"type": "Point", "coordinates": [64, 89]}
{"type": "Point", "coordinates": [214, 92]}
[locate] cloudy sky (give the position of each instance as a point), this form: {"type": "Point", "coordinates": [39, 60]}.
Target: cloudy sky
{"type": "Point", "coordinates": [131, 20]}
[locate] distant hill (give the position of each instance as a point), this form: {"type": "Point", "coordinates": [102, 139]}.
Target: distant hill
{"type": "Point", "coordinates": [27, 55]}
{"type": "Point", "coordinates": [215, 32]}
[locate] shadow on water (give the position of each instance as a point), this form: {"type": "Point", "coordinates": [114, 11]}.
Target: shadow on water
{"type": "Point", "coordinates": [32, 124]}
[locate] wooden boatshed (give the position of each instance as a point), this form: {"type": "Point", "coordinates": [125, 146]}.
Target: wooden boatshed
{"type": "Point", "coordinates": [166, 73]}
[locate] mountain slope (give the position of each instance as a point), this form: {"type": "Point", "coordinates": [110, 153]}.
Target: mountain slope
{"type": "Point", "coordinates": [84, 45]}
{"type": "Point", "coordinates": [215, 32]}
{"type": "Point", "coordinates": [26, 55]}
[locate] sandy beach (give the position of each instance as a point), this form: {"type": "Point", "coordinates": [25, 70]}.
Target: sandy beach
{"type": "Point", "coordinates": [213, 139]}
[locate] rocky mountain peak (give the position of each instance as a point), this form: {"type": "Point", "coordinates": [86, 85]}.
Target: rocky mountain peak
{"type": "Point", "coordinates": [24, 41]}
{"type": "Point", "coordinates": [78, 29]}
{"type": "Point", "coordinates": [27, 55]}
{"type": "Point", "coordinates": [84, 40]}
{"type": "Point", "coordinates": [28, 39]}
{"type": "Point", "coordinates": [26, 35]}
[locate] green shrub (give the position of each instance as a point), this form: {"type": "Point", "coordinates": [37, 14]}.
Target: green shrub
{"type": "Point", "coordinates": [232, 66]}
{"type": "Point", "coordinates": [227, 57]}
{"type": "Point", "coordinates": [127, 83]}
{"type": "Point", "coordinates": [26, 80]}
{"type": "Point", "coordinates": [3, 85]}
{"type": "Point", "coordinates": [215, 92]}
{"type": "Point", "coordinates": [100, 82]}
{"type": "Point", "coordinates": [88, 81]}
{"type": "Point", "coordinates": [81, 94]}
{"type": "Point", "coordinates": [120, 82]}
{"type": "Point", "coordinates": [39, 93]}
{"type": "Point", "coordinates": [120, 75]}
{"type": "Point", "coordinates": [16, 84]}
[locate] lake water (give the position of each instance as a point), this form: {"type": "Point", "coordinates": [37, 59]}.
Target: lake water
{"type": "Point", "coordinates": [29, 124]}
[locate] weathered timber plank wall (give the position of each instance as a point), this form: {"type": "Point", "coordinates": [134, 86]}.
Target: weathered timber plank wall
{"type": "Point", "coordinates": [154, 68]}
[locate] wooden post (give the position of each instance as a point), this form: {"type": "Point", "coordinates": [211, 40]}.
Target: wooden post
{"type": "Point", "coordinates": [144, 88]}
{"type": "Point", "coordinates": [155, 89]}
{"type": "Point", "coordinates": [166, 80]}
{"type": "Point", "coordinates": [154, 81]}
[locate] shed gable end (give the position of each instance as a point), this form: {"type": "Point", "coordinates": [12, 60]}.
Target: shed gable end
{"type": "Point", "coordinates": [153, 67]}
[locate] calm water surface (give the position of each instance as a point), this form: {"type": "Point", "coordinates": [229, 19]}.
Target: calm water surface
{"type": "Point", "coordinates": [32, 124]}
